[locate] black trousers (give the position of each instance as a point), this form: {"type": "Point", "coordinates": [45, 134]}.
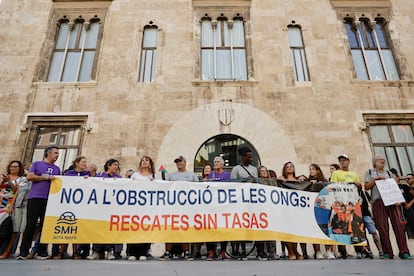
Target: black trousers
{"type": "Point", "coordinates": [36, 210]}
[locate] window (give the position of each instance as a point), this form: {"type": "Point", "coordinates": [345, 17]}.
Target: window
{"type": "Point", "coordinates": [223, 49]}
{"type": "Point", "coordinates": [371, 53]}
{"type": "Point", "coordinates": [66, 132]}
{"type": "Point", "coordinates": [72, 47]}
{"type": "Point", "coordinates": [297, 53]}
{"type": "Point", "coordinates": [394, 140]}
{"type": "Point", "coordinates": [148, 54]}
{"type": "Point", "coordinates": [75, 51]}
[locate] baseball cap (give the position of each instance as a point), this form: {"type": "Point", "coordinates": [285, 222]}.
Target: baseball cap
{"type": "Point", "coordinates": [179, 158]}
{"type": "Point", "coordinates": [344, 156]}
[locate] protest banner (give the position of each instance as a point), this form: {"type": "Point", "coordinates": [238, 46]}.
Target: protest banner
{"type": "Point", "coordinates": [390, 192]}
{"type": "Point", "coordinates": [97, 210]}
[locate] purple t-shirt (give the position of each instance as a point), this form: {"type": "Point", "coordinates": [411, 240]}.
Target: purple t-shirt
{"type": "Point", "coordinates": [105, 175]}
{"type": "Point", "coordinates": [40, 189]}
{"type": "Point", "coordinates": [216, 176]}
{"type": "Point", "coordinates": [75, 173]}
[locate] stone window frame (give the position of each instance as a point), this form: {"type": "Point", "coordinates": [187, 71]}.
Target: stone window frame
{"type": "Point", "coordinates": [364, 23]}
{"type": "Point", "coordinates": [229, 9]}
{"type": "Point", "coordinates": [302, 49]}
{"type": "Point", "coordinates": [389, 120]}
{"type": "Point", "coordinates": [34, 123]}
{"type": "Point", "coordinates": [71, 12]}
{"type": "Point", "coordinates": [141, 74]}
{"type": "Point", "coordinates": [372, 10]}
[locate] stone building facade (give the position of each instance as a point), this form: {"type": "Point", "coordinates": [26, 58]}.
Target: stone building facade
{"type": "Point", "coordinates": [124, 106]}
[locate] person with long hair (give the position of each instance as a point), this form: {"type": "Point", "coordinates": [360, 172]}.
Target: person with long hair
{"type": "Point", "coordinates": [207, 169]}
{"type": "Point", "coordinates": [79, 169]}
{"type": "Point", "coordinates": [146, 171]}
{"type": "Point", "coordinates": [111, 170]}
{"type": "Point", "coordinates": [316, 176]}
{"type": "Point", "coordinates": [289, 174]}
{"type": "Point", "coordinates": [270, 246]}
{"type": "Point", "coordinates": [9, 184]}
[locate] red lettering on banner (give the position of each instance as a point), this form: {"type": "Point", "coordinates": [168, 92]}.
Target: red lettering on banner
{"type": "Point", "coordinates": [135, 223]}
{"type": "Point", "coordinates": [226, 216]}
{"type": "Point", "coordinates": [125, 223]}
{"type": "Point", "coordinates": [156, 224]}
{"type": "Point", "coordinates": [165, 217]}
{"type": "Point", "coordinates": [245, 220]}
{"type": "Point", "coordinates": [184, 222]}
{"type": "Point", "coordinates": [143, 223]}
{"type": "Point", "coordinates": [175, 222]}
{"type": "Point", "coordinates": [236, 221]}
{"type": "Point", "coordinates": [263, 219]}
{"type": "Point", "coordinates": [198, 224]}
{"type": "Point", "coordinates": [114, 221]}
{"type": "Point", "coordinates": [147, 223]}
{"type": "Point", "coordinates": [205, 221]}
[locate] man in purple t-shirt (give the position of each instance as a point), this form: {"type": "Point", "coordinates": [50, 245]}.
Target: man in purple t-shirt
{"type": "Point", "coordinates": [40, 173]}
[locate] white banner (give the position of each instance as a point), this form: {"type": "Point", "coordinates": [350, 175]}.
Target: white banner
{"type": "Point", "coordinates": [97, 210]}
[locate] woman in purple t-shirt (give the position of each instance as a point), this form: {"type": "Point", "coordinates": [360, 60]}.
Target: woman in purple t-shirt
{"type": "Point", "coordinates": [79, 165]}
{"type": "Point", "coordinates": [111, 168]}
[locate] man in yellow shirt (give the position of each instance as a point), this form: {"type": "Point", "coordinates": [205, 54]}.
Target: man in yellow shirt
{"type": "Point", "coordinates": [345, 175]}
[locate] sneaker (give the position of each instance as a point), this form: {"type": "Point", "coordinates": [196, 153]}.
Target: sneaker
{"type": "Point", "coordinates": [43, 256]}
{"type": "Point", "coordinates": [273, 257]}
{"type": "Point", "coordinates": [359, 255]}
{"type": "Point", "coordinates": [224, 256]}
{"type": "Point", "coordinates": [21, 257]}
{"type": "Point", "coordinates": [132, 258]}
{"type": "Point", "coordinates": [406, 256]}
{"type": "Point", "coordinates": [117, 256]}
{"type": "Point", "coordinates": [330, 255]}
{"type": "Point", "coordinates": [381, 255]}
{"type": "Point", "coordinates": [387, 256]}
{"type": "Point", "coordinates": [262, 257]}
{"type": "Point", "coordinates": [31, 255]}
{"type": "Point", "coordinates": [319, 255]}
{"type": "Point", "coordinates": [110, 256]}
{"type": "Point", "coordinates": [368, 254]}
{"type": "Point", "coordinates": [283, 255]}
{"type": "Point", "coordinates": [243, 256]}
{"type": "Point", "coordinates": [166, 256]}
{"type": "Point", "coordinates": [211, 256]}
{"type": "Point", "coordinates": [188, 256]}
{"type": "Point", "coordinates": [93, 256]}
{"type": "Point", "coordinates": [142, 258]}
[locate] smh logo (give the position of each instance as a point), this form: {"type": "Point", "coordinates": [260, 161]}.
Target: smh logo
{"type": "Point", "coordinates": [66, 224]}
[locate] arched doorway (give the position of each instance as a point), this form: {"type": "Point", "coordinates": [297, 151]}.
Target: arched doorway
{"type": "Point", "coordinates": [226, 146]}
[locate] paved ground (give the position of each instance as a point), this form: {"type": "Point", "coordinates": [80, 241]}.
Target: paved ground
{"type": "Point", "coordinates": [250, 267]}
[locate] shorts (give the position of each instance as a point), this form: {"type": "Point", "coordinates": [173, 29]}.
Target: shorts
{"type": "Point", "coordinates": [20, 218]}
{"type": "Point", "coordinates": [369, 224]}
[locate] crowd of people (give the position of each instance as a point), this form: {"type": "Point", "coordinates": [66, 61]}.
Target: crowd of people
{"type": "Point", "coordinates": [24, 195]}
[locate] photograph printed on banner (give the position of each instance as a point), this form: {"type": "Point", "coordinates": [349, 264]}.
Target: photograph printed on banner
{"type": "Point", "coordinates": [338, 213]}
